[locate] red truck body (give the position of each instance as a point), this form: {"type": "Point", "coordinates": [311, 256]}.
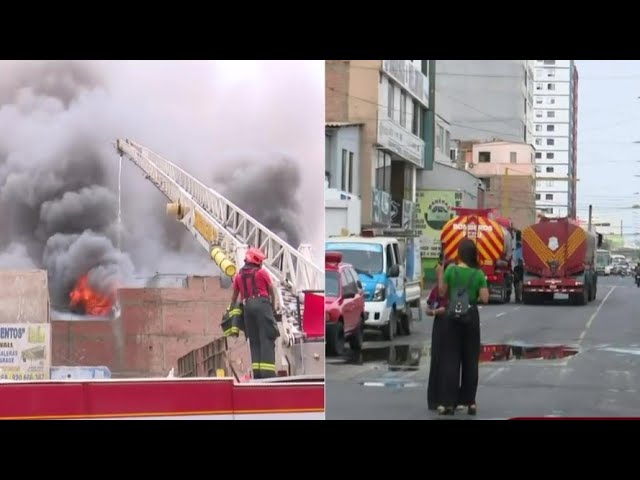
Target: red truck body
{"type": "Point", "coordinates": [559, 257]}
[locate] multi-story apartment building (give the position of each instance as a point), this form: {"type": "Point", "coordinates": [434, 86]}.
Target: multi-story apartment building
{"type": "Point", "coordinates": [389, 99]}
{"type": "Point", "coordinates": [555, 114]}
{"type": "Point", "coordinates": [490, 99]}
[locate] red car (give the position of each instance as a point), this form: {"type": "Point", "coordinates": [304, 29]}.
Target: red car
{"type": "Point", "coordinates": [343, 305]}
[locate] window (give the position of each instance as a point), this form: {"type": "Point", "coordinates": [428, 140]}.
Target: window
{"type": "Point", "coordinates": [538, 141]}
{"type": "Point", "coordinates": [403, 109]}
{"type": "Point", "coordinates": [538, 101]}
{"type": "Point", "coordinates": [551, 141]}
{"type": "Point", "coordinates": [390, 99]}
{"type": "Point", "coordinates": [487, 184]}
{"type": "Point", "coordinates": [551, 86]}
{"type": "Point", "coordinates": [551, 73]}
{"type": "Point", "coordinates": [350, 184]}
{"type": "Point", "coordinates": [548, 196]}
{"type": "Point", "coordinates": [550, 155]}
{"type": "Point", "coordinates": [538, 128]}
{"type": "Point", "coordinates": [346, 181]}
{"type": "Point", "coordinates": [551, 114]}
{"type": "Point", "coordinates": [513, 157]}
{"type": "Point", "coordinates": [390, 259]}
{"type": "Point", "coordinates": [538, 86]}
{"type": "Point", "coordinates": [538, 169]}
{"type": "Point", "coordinates": [383, 172]}
{"type": "Point", "coordinates": [440, 138]}
{"type": "Point", "coordinates": [538, 154]}
{"type": "Point", "coordinates": [549, 169]}
{"type": "Point", "coordinates": [551, 128]}
{"type": "Point", "coordinates": [551, 101]}
{"type": "Point", "coordinates": [447, 140]}
{"type": "Point", "coordinates": [549, 62]}
{"type": "Point", "coordinates": [417, 112]}
{"type": "Point", "coordinates": [484, 157]}
{"type": "Point", "coordinates": [538, 114]}
{"type": "Point", "coordinates": [537, 196]}
{"type": "Point", "coordinates": [452, 154]}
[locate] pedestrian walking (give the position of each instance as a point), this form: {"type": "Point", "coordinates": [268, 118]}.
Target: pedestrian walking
{"type": "Point", "coordinates": [464, 285]}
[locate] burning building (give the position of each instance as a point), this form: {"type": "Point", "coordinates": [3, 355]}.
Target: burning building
{"type": "Point", "coordinates": [61, 201]}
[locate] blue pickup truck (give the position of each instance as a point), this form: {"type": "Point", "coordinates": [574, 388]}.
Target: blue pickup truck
{"type": "Point", "coordinates": [382, 270]}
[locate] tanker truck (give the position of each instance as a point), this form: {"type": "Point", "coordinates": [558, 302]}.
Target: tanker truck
{"type": "Point", "coordinates": [495, 240]}
{"type": "Point", "coordinates": [559, 258]}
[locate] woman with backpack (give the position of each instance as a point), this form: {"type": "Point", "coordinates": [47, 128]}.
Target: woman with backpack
{"type": "Point", "coordinates": [436, 308]}
{"type": "Point", "coordinates": [464, 285]}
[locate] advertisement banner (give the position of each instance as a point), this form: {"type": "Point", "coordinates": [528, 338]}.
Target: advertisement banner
{"type": "Point", "coordinates": [25, 351]}
{"type": "Point", "coordinates": [434, 210]}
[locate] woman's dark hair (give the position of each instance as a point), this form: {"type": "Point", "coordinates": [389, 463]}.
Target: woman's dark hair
{"type": "Point", "coordinates": [468, 253]}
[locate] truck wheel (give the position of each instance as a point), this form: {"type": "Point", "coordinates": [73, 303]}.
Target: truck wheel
{"type": "Point", "coordinates": [357, 338]}
{"type": "Point", "coordinates": [389, 330]}
{"type": "Point", "coordinates": [335, 339]}
{"type": "Point", "coordinates": [406, 321]}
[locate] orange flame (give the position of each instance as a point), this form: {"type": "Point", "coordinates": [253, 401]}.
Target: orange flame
{"type": "Point", "coordinates": [93, 302]}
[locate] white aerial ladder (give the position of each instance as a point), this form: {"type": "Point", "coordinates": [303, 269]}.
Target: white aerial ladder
{"type": "Point", "coordinates": [227, 232]}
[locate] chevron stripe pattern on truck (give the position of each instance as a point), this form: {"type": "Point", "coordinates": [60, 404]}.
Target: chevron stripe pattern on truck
{"type": "Point", "coordinates": [486, 233]}
{"type": "Point", "coordinates": [545, 254]}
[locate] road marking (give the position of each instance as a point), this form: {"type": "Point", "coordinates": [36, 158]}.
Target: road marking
{"type": "Point", "coordinates": [494, 374]}
{"type": "Point", "coordinates": [501, 314]}
{"type": "Point", "coordinates": [594, 315]}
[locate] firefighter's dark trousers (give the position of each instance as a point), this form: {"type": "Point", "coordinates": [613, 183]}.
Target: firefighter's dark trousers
{"type": "Point", "coordinates": [261, 330]}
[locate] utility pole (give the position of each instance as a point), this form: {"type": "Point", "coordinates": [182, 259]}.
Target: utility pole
{"type": "Point", "coordinates": [505, 193]}
{"type": "Point", "coordinates": [590, 216]}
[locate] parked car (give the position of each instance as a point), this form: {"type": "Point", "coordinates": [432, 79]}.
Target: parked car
{"type": "Point", "coordinates": [344, 305]}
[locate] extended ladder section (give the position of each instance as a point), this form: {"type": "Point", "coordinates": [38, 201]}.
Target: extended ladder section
{"type": "Point", "coordinates": [226, 232]}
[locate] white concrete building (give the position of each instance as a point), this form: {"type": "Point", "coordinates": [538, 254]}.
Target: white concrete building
{"type": "Point", "coordinates": [342, 156]}
{"type": "Point", "coordinates": [554, 136]}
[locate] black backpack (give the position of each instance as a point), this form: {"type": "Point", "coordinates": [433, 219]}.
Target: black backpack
{"type": "Point", "coordinates": [459, 305]}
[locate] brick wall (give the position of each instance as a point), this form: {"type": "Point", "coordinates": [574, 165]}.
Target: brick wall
{"type": "Point", "coordinates": [24, 296]}
{"type": "Point", "coordinates": [520, 192]}
{"type": "Point", "coordinates": [155, 328]}
{"type": "Point", "coordinates": [336, 90]}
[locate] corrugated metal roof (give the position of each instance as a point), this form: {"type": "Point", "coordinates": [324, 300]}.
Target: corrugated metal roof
{"type": "Point", "coordinates": [342, 124]}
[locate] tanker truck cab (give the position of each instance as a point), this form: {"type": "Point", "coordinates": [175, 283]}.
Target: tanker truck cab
{"type": "Point", "coordinates": [377, 260]}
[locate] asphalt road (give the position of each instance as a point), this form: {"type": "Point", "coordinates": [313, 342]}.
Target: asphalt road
{"type": "Point", "coordinates": [602, 379]}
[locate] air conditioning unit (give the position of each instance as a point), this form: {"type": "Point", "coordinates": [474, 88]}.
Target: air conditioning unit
{"type": "Point", "coordinates": [470, 166]}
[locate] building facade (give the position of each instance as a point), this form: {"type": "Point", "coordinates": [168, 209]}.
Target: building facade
{"type": "Point", "coordinates": [555, 114]}
{"type": "Point", "coordinates": [490, 99]}
{"type": "Point", "coordinates": [342, 156]}
{"type": "Point", "coordinates": [389, 98]}
{"type": "Point", "coordinates": [508, 172]}
{"type": "Point", "coordinates": [439, 192]}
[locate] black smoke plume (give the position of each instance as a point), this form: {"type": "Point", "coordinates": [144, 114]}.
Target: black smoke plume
{"type": "Point", "coordinates": [59, 170]}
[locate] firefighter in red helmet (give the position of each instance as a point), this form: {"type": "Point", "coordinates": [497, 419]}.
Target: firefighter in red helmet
{"type": "Point", "coordinates": [258, 294]}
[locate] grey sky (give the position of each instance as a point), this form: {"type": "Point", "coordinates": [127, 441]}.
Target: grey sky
{"type": "Point", "coordinates": [608, 123]}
